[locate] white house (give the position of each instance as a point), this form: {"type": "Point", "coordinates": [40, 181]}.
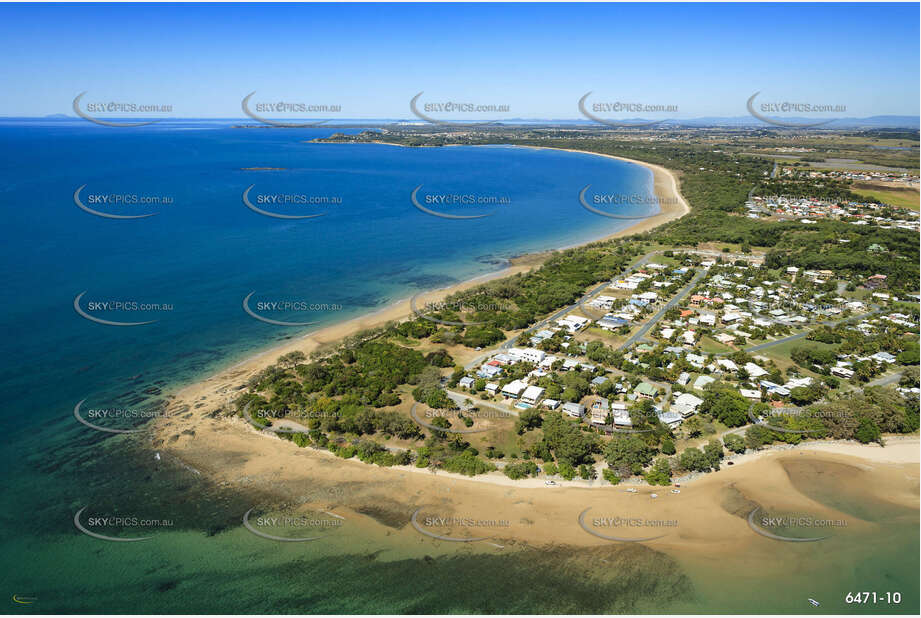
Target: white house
{"type": "Point", "coordinates": [750, 393]}
{"type": "Point", "coordinates": [514, 389]}
{"type": "Point", "coordinates": [466, 382]}
{"type": "Point", "coordinates": [575, 410]}
{"type": "Point", "coordinates": [754, 370]}
{"type": "Point", "coordinates": [532, 395]}
{"type": "Point", "coordinates": [686, 404]}
{"type": "Point", "coordinates": [528, 355]}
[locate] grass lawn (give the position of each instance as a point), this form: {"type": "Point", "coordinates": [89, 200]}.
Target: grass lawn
{"type": "Point", "coordinates": [710, 346]}
{"type": "Point", "coordinates": [902, 198]}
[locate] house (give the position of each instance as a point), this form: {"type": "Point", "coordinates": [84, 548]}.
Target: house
{"type": "Point", "coordinates": [514, 389]}
{"type": "Point", "coordinates": [599, 411]}
{"type": "Point", "coordinates": [727, 364]}
{"type": "Point", "coordinates": [575, 410]}
{"type": "Point", "coordinates": [730, 317]}
{"type": "Point", "coordinates": [600, 381]}
{"type": "Point", "coordinates": [876, 281]}
{"type": "Point", "coordinates": [686, 404]}
{"type": "Point", "coordinates": [684, 378]}
{"type": "Point", "coordinates": [550, 404]}
{"type": "Point", "coordinates": [671, 419]}
{"type": "Point", "coordinates": [532, 395]}
{"type": "Point", "coordinates": [612, 322]}
{"type": "Point", "coordinates": [646, 390]}
{"type": "Point", "coordinates": [528, 355]}
{"type": "Point", "coordinates": [883, 357]}
{"type": "Point", "coordinates": [696, 360]}
{"type": "Point", "coordinates": [492, 388]}
{"type": "Point", "coordinates": [621, 415]}
{"type": "Point", "coordinates": [724, 338]}
{"type": "Point", "coordinates": [750, 393]}
{"type": "Point", "coordinates": [701, 382]}
{"type": "Point", "coordinates": [775, 389]}
{"type": "Point", "coordinates": [489, 371]}
{"type": "Point", "coordinates": [688, 337]}
{"type": "Point", "coordinates": [842, 372]}
{"type": "Point", "coordinates": [573, 323]}
{"type": "Point", "coordinates": [466, 382]}
{"type": "Point", "coordinates": [754, 371]}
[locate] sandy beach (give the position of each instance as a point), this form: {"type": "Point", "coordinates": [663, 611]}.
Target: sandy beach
{"type": "Point", "coordinates": [381, 501]}
{"type": "Point", "coordinates": [218, 390]}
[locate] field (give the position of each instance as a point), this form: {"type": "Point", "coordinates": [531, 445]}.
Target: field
{"type": "Point", "coordinates": [901, 197]}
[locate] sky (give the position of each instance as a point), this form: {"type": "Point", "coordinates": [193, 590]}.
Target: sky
{"type": "Point", "coordinates": [537, 59]}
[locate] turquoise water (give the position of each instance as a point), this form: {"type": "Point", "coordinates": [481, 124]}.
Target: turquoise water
{"type": "Point", "coordinates": [202, 254]}
{"type": "Point", "coordinates": [198, 258]}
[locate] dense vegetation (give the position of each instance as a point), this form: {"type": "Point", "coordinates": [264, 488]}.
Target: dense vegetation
{"type": "Point", "coordinates": [343, 396]}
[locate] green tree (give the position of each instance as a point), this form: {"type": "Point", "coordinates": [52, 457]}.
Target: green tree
{"type": "Point", "coordinates": [660, 473]}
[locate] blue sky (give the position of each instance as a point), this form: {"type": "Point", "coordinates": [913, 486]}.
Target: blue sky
{"type": "Point", "coordinates": [538, 59]}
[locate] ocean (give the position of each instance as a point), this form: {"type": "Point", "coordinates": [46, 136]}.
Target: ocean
{"type": "Point", "coordinates": [187, 271]}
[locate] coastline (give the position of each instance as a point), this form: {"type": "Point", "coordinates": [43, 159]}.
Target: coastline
{"type": "Point", "coordinates": [234, 454]}
{"type": "Point", "coordinates": [217, 389]}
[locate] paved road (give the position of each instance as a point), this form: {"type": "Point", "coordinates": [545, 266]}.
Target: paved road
{"type": "Point", "coordinates": [769, 344]}
{"type": "Point", "coordinates": [884, 381]}
{"type": "Point", "coordinates": [459, 398]}
{"type": "Point", "coordinates": [661, 312]}
{"type": "Point", "coordinates": [510, 343]}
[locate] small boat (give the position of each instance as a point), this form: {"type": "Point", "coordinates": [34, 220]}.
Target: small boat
{"type": "Point", "coordinates": [157, 456]}
{"type": "Point", "coordinates": [676, 491]}
{"type": "Point", "coordinates": [550, 483]}
{"type": "Point", "coordinates": [631, 490]}
{"type": "Point", "coordinates": [653, 495]}
{"type": "Point", "coordinates": [814, 602]}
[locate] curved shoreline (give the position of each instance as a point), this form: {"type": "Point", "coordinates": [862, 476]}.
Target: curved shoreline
{"type": "Point", "coordinates": [216, 389]}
